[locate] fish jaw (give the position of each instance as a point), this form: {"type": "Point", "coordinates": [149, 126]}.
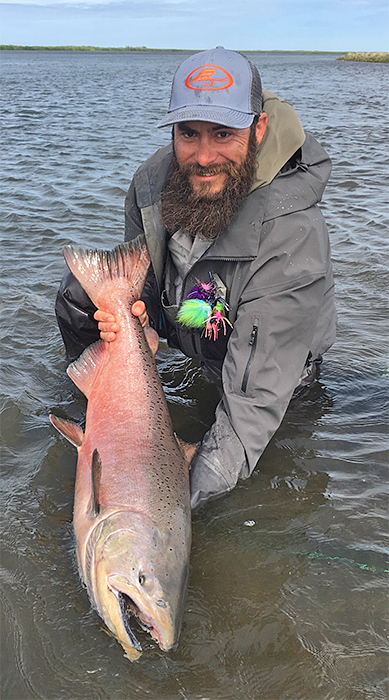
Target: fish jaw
{"type": "Point", "coordinates": [131, 576]}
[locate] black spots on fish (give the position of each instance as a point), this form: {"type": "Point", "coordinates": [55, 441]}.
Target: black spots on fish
{"type": "Point", "coordinates": [96, 478]}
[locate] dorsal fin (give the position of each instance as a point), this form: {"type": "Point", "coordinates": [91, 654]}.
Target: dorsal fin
{"type": "Point", "coordinates": [71, 431]}
{"type": "Point", "coordinates": [84, 371]}
{"type": "Point", "coordinates": [96, 476]}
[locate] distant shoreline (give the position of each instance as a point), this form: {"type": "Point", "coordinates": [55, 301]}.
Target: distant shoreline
{"type": "Point", "coordinates": [13, 47]}
{"type": "Point", "coordinates": [367, 56]}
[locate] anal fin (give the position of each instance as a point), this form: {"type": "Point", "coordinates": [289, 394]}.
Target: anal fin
{"type": "Point", "coordinates": [71, 431]}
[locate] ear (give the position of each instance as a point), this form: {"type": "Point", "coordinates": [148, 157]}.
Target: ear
{"type": "Point", "coordinates": [261, 127]}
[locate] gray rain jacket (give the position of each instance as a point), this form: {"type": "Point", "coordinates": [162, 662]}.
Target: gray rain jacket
{"type": "Point", "coordinates": [274, 260]}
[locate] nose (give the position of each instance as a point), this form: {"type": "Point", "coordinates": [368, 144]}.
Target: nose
{"type": "Point", "coordinates": [206, 152]}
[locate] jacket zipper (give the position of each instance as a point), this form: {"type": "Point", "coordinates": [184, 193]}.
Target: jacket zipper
{"type": "Point", "coordinates": [253, 345]}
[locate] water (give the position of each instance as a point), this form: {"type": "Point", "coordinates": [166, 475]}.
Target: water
{"type": "Point", "coordinates": [288, 591]}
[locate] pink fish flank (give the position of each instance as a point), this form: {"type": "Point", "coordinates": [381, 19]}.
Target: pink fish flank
{"type": "Point", "coordinates": [131, 503]}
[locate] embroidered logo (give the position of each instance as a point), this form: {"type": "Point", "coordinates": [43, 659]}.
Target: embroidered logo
{"type": "Point", "coordinates": [209, 77]}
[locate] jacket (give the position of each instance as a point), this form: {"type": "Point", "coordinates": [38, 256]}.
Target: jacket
{"type": "Point", "coordinates": [274, 260]}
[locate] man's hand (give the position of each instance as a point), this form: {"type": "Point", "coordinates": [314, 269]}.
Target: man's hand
{"type": "Point", "coordinates": [109, 327]}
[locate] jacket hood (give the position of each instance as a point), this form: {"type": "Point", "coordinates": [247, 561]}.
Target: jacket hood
{"type": "Point", "coordinates": [284, 135]}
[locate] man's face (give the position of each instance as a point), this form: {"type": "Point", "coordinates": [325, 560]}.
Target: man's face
{"type": "Point", "coordinates": [209, 149]}
{"type": "Point", "coordinates": [213, 171]}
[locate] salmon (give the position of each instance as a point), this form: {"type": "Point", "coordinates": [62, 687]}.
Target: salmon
{"type": "Point", "coordinates": [132, 519]}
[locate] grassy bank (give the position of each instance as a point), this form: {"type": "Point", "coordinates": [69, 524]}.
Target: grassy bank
{"type": "Point", "coordinates": [13, 47]}
{"type": "Point", "coordinates": [366, 56]}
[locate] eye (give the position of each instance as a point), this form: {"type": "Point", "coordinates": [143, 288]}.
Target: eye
{"type": "Point", "coordinates": [146, 580]}
{"type": "Point", "coordinates": [223, 134]}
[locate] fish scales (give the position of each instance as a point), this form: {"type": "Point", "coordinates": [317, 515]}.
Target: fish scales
{"type": "Point", "coordinates": [131, 505]}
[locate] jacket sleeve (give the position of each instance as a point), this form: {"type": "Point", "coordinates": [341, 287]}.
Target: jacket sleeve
{"type": "Point", "coordinates": [265, 357]}
{"type": "Point", "coordinates": [74, 311]}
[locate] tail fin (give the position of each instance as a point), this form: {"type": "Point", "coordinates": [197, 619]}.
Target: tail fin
{"type": "Point", "coordinates": [95, 269]}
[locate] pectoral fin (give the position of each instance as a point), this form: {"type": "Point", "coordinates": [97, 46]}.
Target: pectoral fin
{"type": "Point", "coordinates": [96, 476]}
{"type": "Point", "coordinates": [71, 431]}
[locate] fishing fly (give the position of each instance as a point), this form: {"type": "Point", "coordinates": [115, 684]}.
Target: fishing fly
{"type": "Point", "coordinates": [205, 307]}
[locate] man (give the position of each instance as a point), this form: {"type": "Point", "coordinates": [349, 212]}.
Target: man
{"type": "Point", "coordinates": [230, 215]}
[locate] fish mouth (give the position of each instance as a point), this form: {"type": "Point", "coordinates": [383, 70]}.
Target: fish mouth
{"type": "Point", "coordinates": [128, 610]}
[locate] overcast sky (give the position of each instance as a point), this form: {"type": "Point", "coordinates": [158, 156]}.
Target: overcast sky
{"type": "Point", "coordinates": [320, 25]}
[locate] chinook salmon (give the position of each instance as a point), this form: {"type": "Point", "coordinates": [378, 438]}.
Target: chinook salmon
{"type": "Point", "coordinates": [131, 504]}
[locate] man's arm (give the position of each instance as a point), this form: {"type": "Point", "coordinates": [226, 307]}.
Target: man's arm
{"type": "Point", "coordinates": [286, 311]}
{"type": "Point", "coordinates": [74, 311]}
{"type": "Point", "coordinates": [265, 358]}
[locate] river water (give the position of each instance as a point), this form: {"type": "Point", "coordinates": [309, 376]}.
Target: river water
{"type": "Point", "coordinates": [288, 592]}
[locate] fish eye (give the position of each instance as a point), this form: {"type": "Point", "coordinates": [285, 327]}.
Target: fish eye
{"type": "Point", "coordinates": [146, 580]}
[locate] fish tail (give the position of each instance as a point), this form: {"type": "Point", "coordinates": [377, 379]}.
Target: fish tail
{"type": "Point", "coordinates": [96, 270]}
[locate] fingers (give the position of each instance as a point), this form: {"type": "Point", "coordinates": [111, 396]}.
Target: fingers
{"type": "Point", "coordinates": [108, 337]}
{"type": "Point", "coordinates": [139, 309]}
{"type": "Point", "coordinates": [107, 325]}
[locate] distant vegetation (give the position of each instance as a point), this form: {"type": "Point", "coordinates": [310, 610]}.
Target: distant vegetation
{"type": "Point", "coordinates": [356, 56]}
{"type": "Point", "coordinates": [366, 56]}
{"type": "Point", "coordinates": [12, 47]}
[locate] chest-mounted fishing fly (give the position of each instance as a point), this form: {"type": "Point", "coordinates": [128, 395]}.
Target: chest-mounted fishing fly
{"type": "Point", "coordinates": [205, 307]}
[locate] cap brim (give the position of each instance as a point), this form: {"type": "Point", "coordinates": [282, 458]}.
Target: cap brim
{"type": "Point", "coordinates": [217, 115]}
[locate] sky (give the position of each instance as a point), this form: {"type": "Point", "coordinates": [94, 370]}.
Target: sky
{"type": "Point", "coordinates": [288, 25]}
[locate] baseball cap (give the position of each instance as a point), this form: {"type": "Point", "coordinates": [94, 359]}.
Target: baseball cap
{"type": "Point", "coordinates": [218, 86]}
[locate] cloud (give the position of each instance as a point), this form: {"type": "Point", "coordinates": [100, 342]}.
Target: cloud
{"type": "Point", "coordinates": [335, 25]}
{"type": "Point", "coordinates": [127, 8]}
{"type": "Point", "coordinates": [156, 6]}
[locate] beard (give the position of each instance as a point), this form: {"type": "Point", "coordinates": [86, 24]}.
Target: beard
{"type": "Point", "coordinates": [200, 212]}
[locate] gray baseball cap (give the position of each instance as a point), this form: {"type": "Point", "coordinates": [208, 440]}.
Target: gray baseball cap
{"type": "Point", "coordinates": [218, 86]}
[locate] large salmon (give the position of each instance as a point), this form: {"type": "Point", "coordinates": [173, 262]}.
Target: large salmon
{"type": "Point", "coordinates": [131, 505]}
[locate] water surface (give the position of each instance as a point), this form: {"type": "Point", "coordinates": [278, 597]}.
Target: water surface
{"type": "Point", "coordinates": [288, 591]}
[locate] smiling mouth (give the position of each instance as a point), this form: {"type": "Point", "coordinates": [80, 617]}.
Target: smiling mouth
{"type": "Point", "coordinates": [129, 609]}
{"type": "Point", "coordinates": [208, 175]}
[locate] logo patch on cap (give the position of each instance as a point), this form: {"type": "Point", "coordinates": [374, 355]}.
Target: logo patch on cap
{"type": "Point", "coordinates": [209, 77]}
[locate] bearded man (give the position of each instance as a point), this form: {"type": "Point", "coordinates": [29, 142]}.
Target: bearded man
{"type": "Point", "coordinates": [241, 275]}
